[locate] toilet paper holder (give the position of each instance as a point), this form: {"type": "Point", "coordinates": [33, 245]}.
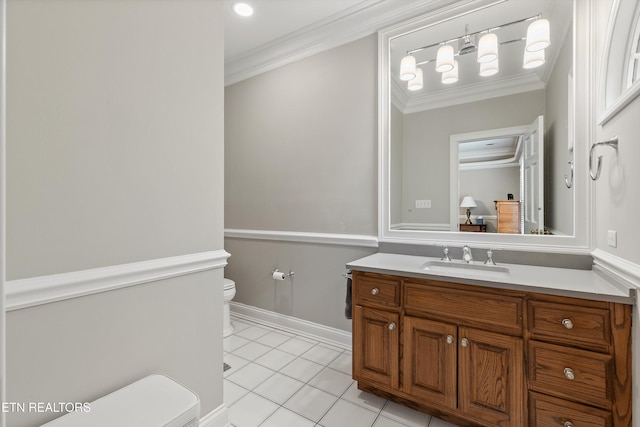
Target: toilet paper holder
{"type": "Point", "coordinates": [284, 275]}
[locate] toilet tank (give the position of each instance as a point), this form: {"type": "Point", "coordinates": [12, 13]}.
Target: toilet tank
{"type": "Point", "coordinates": [153, 401]}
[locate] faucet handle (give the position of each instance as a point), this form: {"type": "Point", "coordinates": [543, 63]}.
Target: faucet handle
{"type": "Point", "coordinates": [446, 256]}
{"type": "Point", "coordinates": [490, 260]}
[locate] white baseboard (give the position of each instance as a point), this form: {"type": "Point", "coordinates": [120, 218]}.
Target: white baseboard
{"type": "Point", "coordinates": [23, 293]}
{"type": "Point", "coordinates": [326, 334]}
{"type": "Point", "coordinates": [219, 417]}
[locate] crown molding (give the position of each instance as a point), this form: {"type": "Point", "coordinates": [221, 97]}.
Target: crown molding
{"type": "Point", "coordinates": [353, 23]}
{"type": "Point", "coordinates": [472, 93]}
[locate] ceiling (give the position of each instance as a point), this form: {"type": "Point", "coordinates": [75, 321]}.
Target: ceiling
{"type": "Point", "coordinates": [283, 31]}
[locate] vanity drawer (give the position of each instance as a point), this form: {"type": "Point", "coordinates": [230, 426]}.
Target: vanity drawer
{"type": "Point", "coordinates": [570, 373]}
{"type": "Point", "coordinates": [546, 411]}
{"type": "Point", "coordinates": [376, 291]}
{"type": "Point", "coordinates": [480, 309]}
{"type": "Point", "coordinates": [574, 325]}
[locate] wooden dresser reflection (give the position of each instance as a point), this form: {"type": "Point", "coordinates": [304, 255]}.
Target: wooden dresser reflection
{"type": "Point", "coordinates": [508, 216]}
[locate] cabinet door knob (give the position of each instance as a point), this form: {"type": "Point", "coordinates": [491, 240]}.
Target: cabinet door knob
{"type": "Point", "coordinates": [464, 342]}
{"type": "Point", "coordinates": [568, 424]}
{"type": "Point", "coordinates": [392, 326]}
{"type": "Point", "coordinates": [375, 291]}
{"type": "Point", "coordinates": [568, 372]}
{"type": "Point", "coordinates": [449, 339]}
{"type": "Point", "coordinates": [567, 323]}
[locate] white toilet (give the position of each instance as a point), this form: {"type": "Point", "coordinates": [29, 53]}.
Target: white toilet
{"type": "Point", "coordinates": [229, 293]}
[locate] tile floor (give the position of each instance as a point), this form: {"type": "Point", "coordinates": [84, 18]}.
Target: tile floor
{"type": "Point", "coordinates": [278, 379]}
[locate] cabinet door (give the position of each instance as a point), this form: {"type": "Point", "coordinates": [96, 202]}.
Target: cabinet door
{"type": "Point", "coordinates": [429, 363]}
{"type": "Point", "coordinates": [375, 346]}
{"type": "Point", "coordinates": [491, 377]}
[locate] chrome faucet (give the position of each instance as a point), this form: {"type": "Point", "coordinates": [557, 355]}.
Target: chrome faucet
{"type": "Point", "coordinates": [446, 256]}
{"type": "Point", "coordinates": [466, 254]}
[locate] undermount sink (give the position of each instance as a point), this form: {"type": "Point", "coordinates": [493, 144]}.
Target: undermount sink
{"type": "Point", "coordinates": [457, 266]}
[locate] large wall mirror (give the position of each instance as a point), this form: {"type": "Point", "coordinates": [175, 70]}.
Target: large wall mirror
{"type": "Point", "coordinates": [484, 109]}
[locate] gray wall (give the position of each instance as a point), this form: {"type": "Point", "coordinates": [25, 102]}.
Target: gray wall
{"type": "Point", "coordinates": [115, 155]}
{"type": "Point", "coordinates": [300, 155]}
{"type": "Point", "coordinates": [426, 146]}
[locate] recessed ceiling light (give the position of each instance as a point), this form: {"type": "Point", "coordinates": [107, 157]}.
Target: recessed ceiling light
{"type": "Point", "coordinates": [243, 9]}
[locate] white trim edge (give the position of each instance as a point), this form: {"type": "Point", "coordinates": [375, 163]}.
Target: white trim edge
{"type": "Point", "coordinates": [219, 417]}
{"type": "Point", "coordinates": [304, 237]}
{"type": "Point", "coordinates": [619, 269]}
{"type": "Point", "coordinates": [23, 293]}
{"type": "Point", "coordinates": [326, 334]}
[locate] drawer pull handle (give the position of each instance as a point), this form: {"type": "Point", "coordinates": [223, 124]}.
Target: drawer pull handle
{"type": "Point", "coordinates": [392, 326]}
{"type": "Point", "coordinates": [568, 372]}
{"type": "Point", "coordinates": [375, 291]}
{"type": "Point", "coordinates": [568, 424]}
{"type": "Point", "coordinates": [449, 339]}
{"type": "Point", "coordinates": [464, 342]}
{"type": "Point", "coordinates": [567, 323]}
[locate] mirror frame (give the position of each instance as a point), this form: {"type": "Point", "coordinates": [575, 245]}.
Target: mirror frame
{"type": "Point", "coordinates": [584, 65]}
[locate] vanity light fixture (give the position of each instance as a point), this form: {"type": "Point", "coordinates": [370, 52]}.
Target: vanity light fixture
{"type": "Point", "coordinates": [444, 59]}
{"type": "Point", "coordinates": [416, 83]}
{"type": "Point", "coordinates": [488, 69]}
{"type": "Point", "coordinates": [408, 68]}
{"type": "Point", "coordinates": [447, 59]}
{"type": "Point", "coordinates": [533, 59]}
{"type": "Point", "coordinates": [451, 76]}
{"type": "Point", "coordinates": [488, 48]}
{"type": "Point", "coordinates": [468, 202]}
{"type": "Point", "coordinates": [538, 35]}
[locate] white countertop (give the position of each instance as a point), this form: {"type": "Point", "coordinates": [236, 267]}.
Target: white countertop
{"type": "Point", "coordinates": [548, 280]}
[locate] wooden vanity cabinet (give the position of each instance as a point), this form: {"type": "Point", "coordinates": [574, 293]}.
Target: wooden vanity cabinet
{"type": "Point", "coordinates": [479, 356]}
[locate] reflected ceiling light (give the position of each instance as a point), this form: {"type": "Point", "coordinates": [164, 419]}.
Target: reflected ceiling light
{"type": "Point", "coordinates": [416, 83]}
{"type": "Point", "coordinates": [408, 68]}
{"type": "Point", "coordinates": [488, 48]}
{"type": "Point", "coordinates": [489, 68]}
{"type": "Point", "coordinates": [444, 59]}
{"type": "Point", "coordinates": [243, 9]}
{"type": "Point", "coordinates": [451, 76]}
{"type": "Point", "coordinates": [533, 59]}
{"type": "Point", "coordinates": [538, 35]}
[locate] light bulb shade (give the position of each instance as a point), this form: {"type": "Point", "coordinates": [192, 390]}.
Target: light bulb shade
{"type": "Point", "coordinates": [538, 35]}
{"type": "Point", "coordinates": [533, 59]}
{"type": "Point", "coordinates": [408, 68]}
{"type": "Point", "coordinates": [451, 76]}
{"type": "Point", "coordinates": [489, 68]}
{"type": "Point", "coordinates": [444, 59]}
{"type": "Point", "coordinates": [488, 48]}
{"type": "Point", "coordinates": [416, 83]}
{"type": "Point", "coordinates": [468, 202]}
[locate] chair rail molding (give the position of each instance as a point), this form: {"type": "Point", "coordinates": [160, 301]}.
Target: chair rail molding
{"type": "Point", "coordinates": [304, 237]}
{"type": "Point", "coordinates": [23, 293]}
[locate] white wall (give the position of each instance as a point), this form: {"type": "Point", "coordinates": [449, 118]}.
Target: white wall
{"type": "Point", "coordinates": [115, 155]}
{"type": "Point", "coordinates": [301, 144]}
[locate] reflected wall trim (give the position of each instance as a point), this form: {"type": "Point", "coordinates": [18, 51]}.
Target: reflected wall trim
{"type": "Point", "coordinates": [620, 270]}
{"type": "Point", "coordinates": [23, 293]}
{"type": "Point", "coordinates": [305, 237]}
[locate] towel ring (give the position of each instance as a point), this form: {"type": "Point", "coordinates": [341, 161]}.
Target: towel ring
{"type": "Point", "coordinates": [569, 182]}
{"type": "Point", "coordinates": [613, 143]}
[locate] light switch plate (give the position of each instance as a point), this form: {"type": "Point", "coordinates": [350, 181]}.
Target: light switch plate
{"type": "Point", "coordinates": [612, 238]}
{"type": "Point", "coordinates": [423, 204]}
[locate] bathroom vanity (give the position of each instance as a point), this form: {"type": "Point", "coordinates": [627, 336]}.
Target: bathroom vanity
{"type": "Point", "coordinates": [511, 346]}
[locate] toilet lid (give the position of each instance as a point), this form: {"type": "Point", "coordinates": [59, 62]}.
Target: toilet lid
{"type": "Point", "coordinates": [228, 283]}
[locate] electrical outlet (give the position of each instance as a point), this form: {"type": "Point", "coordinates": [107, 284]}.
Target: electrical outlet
{"type": "Point", "coordinates": [612, 238]}
{"type": "Point", "coordinates": [422, 204]}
